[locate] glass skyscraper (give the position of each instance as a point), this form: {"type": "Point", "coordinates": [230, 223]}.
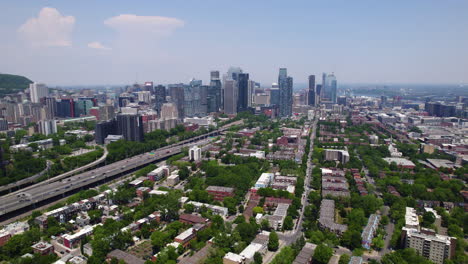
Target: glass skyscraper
{"type": "Point", "coordinates": [285, 84]}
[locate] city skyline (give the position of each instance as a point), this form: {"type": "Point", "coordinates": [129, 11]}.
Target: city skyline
{"type": "Point", "coordinates": [64, 44]}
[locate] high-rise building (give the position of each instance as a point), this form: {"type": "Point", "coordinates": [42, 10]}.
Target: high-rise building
{"type": "Point", "coordinates": [274, 96]}
{"type": "Point", "coordinates": [329, 87]}
{"type": "Point", "coordinates": [194, 103]}
{"type": "Point", "coordinates": [38, 91]}
{"type": "Point", "coordinates": [144, 96]}
{"type": "Point", "coordinates": [318, 91]}
{"type": "Point", "coordinates": [3, 124]}
{"type": "Point", "coordinates": [106, 112]}
{"type": "Point", "coordinates": [124, 100]}
{"type": "Point", "coordinates": [341, 100]}
{"type": "Point", "coordinates": [169, 111]}
{"type": "Point", "coordinates": [51, 107]}
{"type": "Point", "coordinates": [83, 105]}
{"type": "Point", "coordinates": [214, 95]}
{"type": "Point", "coordinates": [251, 92]}
{"type": "Point", "coordinates": [160, 96]}
{"type": "Point", "coordinates": [47, 127]}
{"type": "Point", "coordinates": [214, 75]}
{"type": "Point", "coordinates": [130, 127]}
{"type": "Point", "coordinates": [177, 97]}
{"type": "Point", "coordinates": [440, 109]}
{"type": "Point", "coordinates": [104, 129]}
{"type": "Point", "coordinates": [426, 242]}
{"type": "Point", "coordinates": [148, 87]}
{"type": "Point", "coordinates": [311, 91]}
{"type": "Point", "coordinates": [230, 96]}
{"type": "Point", "coordinates": [243, 92]}
{"type": "Point", "coordinates": [66, 107]}
{"type": "Point", "coordinates": [285, 93]}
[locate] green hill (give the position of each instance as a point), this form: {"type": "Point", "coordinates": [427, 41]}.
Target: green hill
{"type": "Point", "coordinates": [10, 83]}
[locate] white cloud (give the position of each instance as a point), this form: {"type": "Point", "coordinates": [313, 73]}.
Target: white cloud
{"type": "Point", "coordinates": [97, 45]}
{"type": "Point", "coordinates": [48, 29]}
{"type": "Point", "coordinates": [154, 26]}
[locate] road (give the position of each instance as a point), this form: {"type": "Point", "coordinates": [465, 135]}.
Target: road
{"type": "Point", "coordinates": [60, 188]}
{"type": "Point", "coordinates": [292, 236]}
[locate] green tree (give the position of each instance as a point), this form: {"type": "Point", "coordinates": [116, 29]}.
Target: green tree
{"type": "Point", "coordinates": [258, 259]}
{"type": "Point", "coordinates": [344, 259]}
{"type": "Point", "coordinates": [428, 219]}
{"type": "Point", "coordinates": [288, 223]}
{"type": "Point", "coordinates": [351, 239]}
{"type": "Point", "coordinates": [322, 254]}
{"type": "Point", "coordinates": [273, 241]}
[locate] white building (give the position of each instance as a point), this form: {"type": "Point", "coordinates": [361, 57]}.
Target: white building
{"type": "Point", "coordinates": [38, 91]}
{"type": "Point", "coordinates": [144, 96]}
{"type": "Point", "coordinates": [47, 127]}
{"type": "Point", "coordinates": [195, 153]}
{"type": "Point", "coordinates": [264, 180]}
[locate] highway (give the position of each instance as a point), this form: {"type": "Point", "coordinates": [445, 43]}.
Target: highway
{"type": "Point", "coordinates": [55, 188]}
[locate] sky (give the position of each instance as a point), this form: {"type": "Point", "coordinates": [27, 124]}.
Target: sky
{"type": "Point", "coordinates": [120, 42]}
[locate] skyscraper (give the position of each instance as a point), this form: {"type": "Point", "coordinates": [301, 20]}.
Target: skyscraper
{"type": "Point", "coordinates": [329, 87]}
{"type": "Point", "coordinates": [230, 96]}
{"type": "Point", "coordinates": [104, 129]}
{"type": "Point", "coordinates": [243, 92]}
{"type": "Point", "coordinates": [38, 91]}
{"type": "Point", "coordinates": [160, 96]}
{"type": "Point", "coordinates": [318, 91]}
{"type": "Point", "coordinates": [214, 75]}
{"type": "Point", "coordinates": [130, 127]}
{"type": "Point", "coordinates": [66, 108]}
{"type": "Point", "coordinates": [311, 91]}
{"type": "Point", "coordinates": [214, 93]}
{"type": "Point", "coordinates": [285, 93]}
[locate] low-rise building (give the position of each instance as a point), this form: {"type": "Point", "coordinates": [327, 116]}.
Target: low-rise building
{"type": "Point", "coordinates": [43, 248]}
{"type": "Point", "coordinates": [220, 192]}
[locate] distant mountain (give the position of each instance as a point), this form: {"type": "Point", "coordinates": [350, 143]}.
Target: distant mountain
{"type": "Point", "coordinates": [10, 83]}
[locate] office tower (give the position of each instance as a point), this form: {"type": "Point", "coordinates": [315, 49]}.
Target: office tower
{"type": "Point", "coordinates": [214, 75]}
{"type": "Point", "coordinates": [383, 101]}
{"type": "Point", "coordinates": [214, 93]}
{"type": "Point", "coordinates": [66, 108]}
{"type": "Point", "coordinates": [124, 100]}
{"type": "Point", "coordinates": [243, 92]}
{"type": "Point", "coordinates": [318, 91]}
{"type": "Point", "coordinates": [251, 92]}
{"type": "Point", "coordinates": [144, 97]}
{"type": "Point", "coordinates": [230, 97]}
{"type": "Point", "coordinates": [47, 127]}
{"type": "Point", "coordinates": [104, 129]}
{"type": "Point", "coordinates": [38, 91]}
{"type": "Point", "coordinates": [83, 105]}
{"type": "Point", "coordinates": [148, 87]}
{"type": "Point", "coordinates": [130, 127]}
{"type": "Point", "coordinates": [341, 100]}
{"type": "Point", "coordinates": [169, 111]}
{"type": "Point", "coordinates": [285, 93]}
{"type": "Point", "coordinates": [311, 91]}
{"type": "Point", "coordinates": [106, 112]}
{"type": "Point", "coordinates": [274, 96]}
{"type": "Point", "coordinates": [3, 124]}
{"type": "Point", "coordinates": [329, 87]}
{"type": "Point", "coordinates": [194, 104]}
{"type": "Point", "coordinates": [233, 73]}
{"type": "Point", "coordinates": [51, 107]}
{"type": "Point", "coordinates": [440, 109]}
{"type": "Point", "coordinates": [203, 109]}
{"type": "Point", "coordinates": [177, 97]}
{"type": "Point", "coordinates": [160, 96]}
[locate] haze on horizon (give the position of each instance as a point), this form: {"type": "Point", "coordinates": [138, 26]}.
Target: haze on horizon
{"type": "Point", "coordinates": [116, 42]}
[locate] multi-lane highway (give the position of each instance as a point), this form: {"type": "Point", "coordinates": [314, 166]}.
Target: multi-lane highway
{"type": "Point", "coordinates": [58, 188]}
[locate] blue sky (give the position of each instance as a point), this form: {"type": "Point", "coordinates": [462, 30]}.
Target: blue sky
{"type": "Point", "coordinates": [118, 42]}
